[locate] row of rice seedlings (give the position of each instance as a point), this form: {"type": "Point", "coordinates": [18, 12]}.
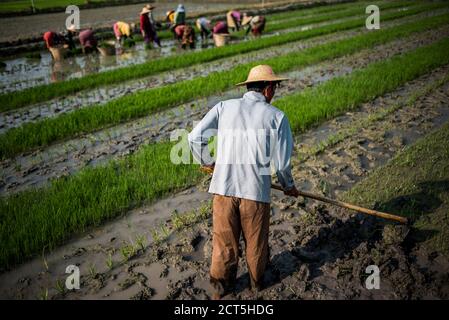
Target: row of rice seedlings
{"type": "Point", "coordinates": [36, 219]}
{"type": "Point", "coordinates": [355, 10]}
{"type": "Point", "coordinates": [14, 100]}
{"type": "Point", "coordinates": [84, 120]}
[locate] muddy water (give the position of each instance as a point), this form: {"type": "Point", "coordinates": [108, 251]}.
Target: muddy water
{"type": "Point", "coordinates": [104, 94]}
{"type": "Point", "coordinates": [37, 168]}
{"type": "Point", "coordinates": [310, 243]}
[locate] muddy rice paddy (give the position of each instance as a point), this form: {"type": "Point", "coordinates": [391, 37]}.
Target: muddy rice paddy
{"type": "Point", "coordinates": [316, 251]}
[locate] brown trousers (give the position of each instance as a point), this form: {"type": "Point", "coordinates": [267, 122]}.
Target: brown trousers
{"type": "Point", "coordinates": [231, 217]}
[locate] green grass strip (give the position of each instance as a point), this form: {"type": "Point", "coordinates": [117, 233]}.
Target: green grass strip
{"type": "Point", "coordinates": [13, 100]}
{"type": "Point", "coordinates": [84, 120]}
{"type": "Point", "coordinates": [37, 219]}
{"type": "Point", "coordinates": [341, 94]}
{"type": "Point", "coordinates": [415, 183]}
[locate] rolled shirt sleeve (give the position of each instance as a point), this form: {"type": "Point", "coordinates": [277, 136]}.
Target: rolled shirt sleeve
{"type": "Point", "coordinates": [282, 154]}
{"type": "Point", "coordinates": [199, 137]}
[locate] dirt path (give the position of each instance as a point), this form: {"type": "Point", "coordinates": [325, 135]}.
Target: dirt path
{"type": "Point", "coordinates": [37, 168]}
{"type": "Point", "coordinates": [317, 252]}
{"type": "Point", "coordinates": [105, 94]}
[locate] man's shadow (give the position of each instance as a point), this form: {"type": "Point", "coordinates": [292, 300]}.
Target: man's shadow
{"type": "Point", "coordinates": [336, 238]}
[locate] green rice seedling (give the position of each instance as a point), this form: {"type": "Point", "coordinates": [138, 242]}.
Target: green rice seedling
{"type": "Point", "coordinates": [177, 220]}
{"type": "Point", "coordinates": [33, 55]}
{"type": "Point", "coordinates": [128, 251]}
{"type": "Point", "coordinates": [36, 94]}
{"type": "Point", "coordinates": [60, 287]}
{"type": "Point", "coordinates": [42, 133]}
{"type": "Point", "coordinates": [155, 235]}
{"type": "Point", "coordinates": [129, 43]}
{"type": "Point", "coordinates": [44, 260]}
{"type": "Point", "coordinates": [204, 211]}
{"type": "Point", "coordinates": [165, 232]}
{"type": "Point", "coordinates": [92, 271]}
{"type": "Point", "coordinates": [109, 262]}
{"type": "Point", "coordinates": [43, 295]}
{"type": "Point", "coordinates": [141, 242]}
{"type": "Point", "coordinates": [75, 203]}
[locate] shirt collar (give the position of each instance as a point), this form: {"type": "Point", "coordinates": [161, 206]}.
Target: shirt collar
{"type": "Point", "coordinates": [253, 95]}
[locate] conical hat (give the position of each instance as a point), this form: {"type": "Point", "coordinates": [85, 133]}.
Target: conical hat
{"type": "Point", "coordinates": [145, 10]}
{"type": "Point", "coordinates": [246, 20]}
{"type": "Point", "coordinates": [261, 73]}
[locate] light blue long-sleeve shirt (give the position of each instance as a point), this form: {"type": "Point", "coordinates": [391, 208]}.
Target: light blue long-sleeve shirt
{"type": "Point", "coordinates": [252, 137]}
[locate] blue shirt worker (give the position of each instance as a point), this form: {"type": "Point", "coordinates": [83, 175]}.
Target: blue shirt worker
{"type": "Point", "coordinates": [253, 138]}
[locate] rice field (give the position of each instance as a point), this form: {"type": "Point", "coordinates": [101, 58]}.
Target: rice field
{"type": "Point", "coordinates": [45, 218]}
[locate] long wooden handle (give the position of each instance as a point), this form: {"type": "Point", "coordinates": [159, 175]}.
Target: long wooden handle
{"type": "Point", "coordinates": [348, 206]}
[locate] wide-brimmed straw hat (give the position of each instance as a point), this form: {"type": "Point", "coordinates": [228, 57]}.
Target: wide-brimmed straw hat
{"type": "Point", "coordinates": [246, 19]}
{"type": "Point", "coordinates": [145, 10]}
{"type": "Point", "coordinates": [261, 73]}
{"type": "Point", "coordinates": [150, 7]}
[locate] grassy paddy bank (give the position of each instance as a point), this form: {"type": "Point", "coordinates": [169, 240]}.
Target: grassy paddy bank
{"type": "Point", "coordinates": [44, 132]}
{"type": "Point", "coordinates": [415, 184]}
{"type": "Point", "coordinates": [37, 219]}
{"type": "Point", "coordinates": [10, 101]}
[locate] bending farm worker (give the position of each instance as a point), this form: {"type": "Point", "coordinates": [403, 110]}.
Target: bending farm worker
{"type": "Point", "coordinates": [147, 28]}
{"type": "Point", "coordinates": [122, 30]}
{"type": "Point", "coordinates": [255, 24]}
{"type": "Point", "coordinates": [220, 33]}
{"type": "Point", "coordinates": [55, 43]}
{"type": "Point", "coordinates": [186, 35]}
{"type": "Point", "coordinates": [233, 19]}
{"type": "Point", "coordinates": [87, 40]}
{"type": "Point", "coordinates": [180, 15]}
{"type": "Point", "coordinates": [252, 136]}
{"type": "Point", "coordinates": [204, 27]}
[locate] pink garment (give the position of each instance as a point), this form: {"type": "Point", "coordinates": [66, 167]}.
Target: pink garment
{"type": "Point", "coordinates": [87, 38]}
{"type": "Point", "coordinates": [117, 31]}
{"type": "Point", "coordinates": [237, 15]}
{"type": "Point", "coordinates": [179, 30]}
{"type": "Point", "coordinates": [221, 27]}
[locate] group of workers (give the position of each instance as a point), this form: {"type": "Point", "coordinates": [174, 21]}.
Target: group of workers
{"type": "Point", "coordinates": [234, 22]}
{"type": "Point", "coordinates": [183, 32]}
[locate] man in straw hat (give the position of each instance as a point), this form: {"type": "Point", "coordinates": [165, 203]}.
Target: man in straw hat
{"type": "Point", "coordinates": [252, 137]}
{"type": "Point", "coordinates": [255, 24]}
